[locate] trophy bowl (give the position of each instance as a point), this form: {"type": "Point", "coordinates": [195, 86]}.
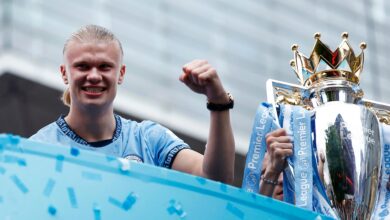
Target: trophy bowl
{"type": "Point", "coordinates": [348, 137]}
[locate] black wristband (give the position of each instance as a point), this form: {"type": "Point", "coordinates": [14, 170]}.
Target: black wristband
{"type": "Point", "coordinates": [221, 107]}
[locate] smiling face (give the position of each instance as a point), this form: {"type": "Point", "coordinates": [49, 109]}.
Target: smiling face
{"type": "Point", "coordinates": [92, 69]}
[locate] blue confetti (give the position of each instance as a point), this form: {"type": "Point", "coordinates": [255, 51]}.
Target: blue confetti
{"type": "Point", "coordinates": [253, 195]}
{"type": "Point", "coordinates": [91, 176]}
{"type": "Point", "coordinates": [19, 184]}
{"type": "Point", "coordinates": [223, 187]}
{"type": "Point", "coordinates": [74, 151]}
{"type": "Point", "coordinates": [49, 187]}
{"type": "Point", "coordinates": [110, 158]}
{"type": "Point", "coordinates": [176, 208]}
{"type": "Point", "coordinates": [125, 205]}
{"type": "Point", "coordinates": [96, 211]}
{"type": "Point", "coordinates": [52, 210]}
{"type": "Point", "coordinates": [2, 170]}
{"type": "Point", "coordinates": [201, 180]}
{"type": "Point", "coordinates": [59, 163]}
{"type": "Point", "coordinates": [3, 140]}
{"type": "Point", "coordinates": [14, 140]}
{"type": "Point", "coordinates": [72, 197]}
{"type": "Point", "coordinates": [22, 162]}
{"type": "Point", "coordinates": [235, 211]}
{"type": "Point", "coordinates": [171, 210]}
{"type": "Point", "coordinates": [14, 159]}
{"type": "Point", "coordinates": [129, 202]}
{"type": "Point", "coordinates": [115, 202]}
{"type": "Point", "coordinates": [124, 165]}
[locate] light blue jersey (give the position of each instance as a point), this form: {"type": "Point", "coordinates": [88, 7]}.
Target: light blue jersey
{"type": "Point", "coordinates": [146, 142]}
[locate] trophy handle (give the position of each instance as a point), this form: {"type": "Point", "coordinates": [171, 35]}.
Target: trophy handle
{"type": "Point", "coordinates": [279, 92]}
{"type": "Point", "coordinates": [381, 110]}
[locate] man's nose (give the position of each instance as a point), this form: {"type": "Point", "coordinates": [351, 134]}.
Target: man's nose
{"type": "Point", "coordinates": [94, 76]}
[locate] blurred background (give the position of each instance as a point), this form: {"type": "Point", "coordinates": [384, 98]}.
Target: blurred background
{"type": "Point", "coordinates": [247, 41]}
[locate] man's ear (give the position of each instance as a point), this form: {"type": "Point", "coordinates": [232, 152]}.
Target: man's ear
{"type": "Point", "coordinates": [122, 72]}
{"type": "Point", "coordinates": [63, 74]}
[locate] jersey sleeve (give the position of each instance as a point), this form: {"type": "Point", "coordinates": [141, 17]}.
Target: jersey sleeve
{"type": "Point", "coordinates": [163, 143]}
{"type": "Point", "coordinates": [47, 134]}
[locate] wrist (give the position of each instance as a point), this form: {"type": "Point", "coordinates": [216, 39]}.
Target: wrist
{"type": "Point", "coordinates": [221, 104]}
{"type": "Point", "coordinates": [271, 175]}
{"type": "Point", "coordinates": [220, 98]}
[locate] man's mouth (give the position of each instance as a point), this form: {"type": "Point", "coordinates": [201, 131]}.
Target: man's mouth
{"type": "Point", "coordinates": [280, 192]}
{"type": "Point", "coordinates": [93, 90]}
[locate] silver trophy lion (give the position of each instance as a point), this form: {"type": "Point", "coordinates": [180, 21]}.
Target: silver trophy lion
{"type": "Point", "coordinates": [348, 135]}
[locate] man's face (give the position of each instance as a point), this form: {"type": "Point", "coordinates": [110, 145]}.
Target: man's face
{"type": "Point", "coordinates": [92, 69]}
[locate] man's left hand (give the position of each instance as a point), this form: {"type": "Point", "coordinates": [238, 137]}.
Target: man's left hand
{"type": "Point", "coordinates": [202, 78]}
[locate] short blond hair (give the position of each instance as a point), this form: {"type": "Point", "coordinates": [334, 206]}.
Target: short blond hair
{"type": "Point", "coordinates": [88, 33]}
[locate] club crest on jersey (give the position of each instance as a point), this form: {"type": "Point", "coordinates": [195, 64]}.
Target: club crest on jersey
{"type": "Point", "coordinates": [134, 158]}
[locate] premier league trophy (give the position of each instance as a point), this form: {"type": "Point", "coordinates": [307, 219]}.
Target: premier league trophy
{"type": "Point", "coordinates": [340, 166]}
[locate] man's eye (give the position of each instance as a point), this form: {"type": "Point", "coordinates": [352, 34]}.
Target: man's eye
{"type": "Point", "coordinates": [104, 66]}
{"type": "Point", "coordinates": [82, 66]}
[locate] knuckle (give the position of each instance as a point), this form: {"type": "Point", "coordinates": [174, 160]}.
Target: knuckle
{"type": "Point", "coordinates": [287, 145]}
{"type": "Point", "coordinates": [278, 153]}
{"type": "Point", "coordinates": [270, 139]}
{"type": "Point", "coordinates": [203, 61]}
{"type": "Point", "coordinates": [213, 72]}
{"type": "Point", "coordinates": [195, 71]}
{"type": "Point", "coordinates": [283, 131]}
{"type": "Point", "coordinates": [274, 146]}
